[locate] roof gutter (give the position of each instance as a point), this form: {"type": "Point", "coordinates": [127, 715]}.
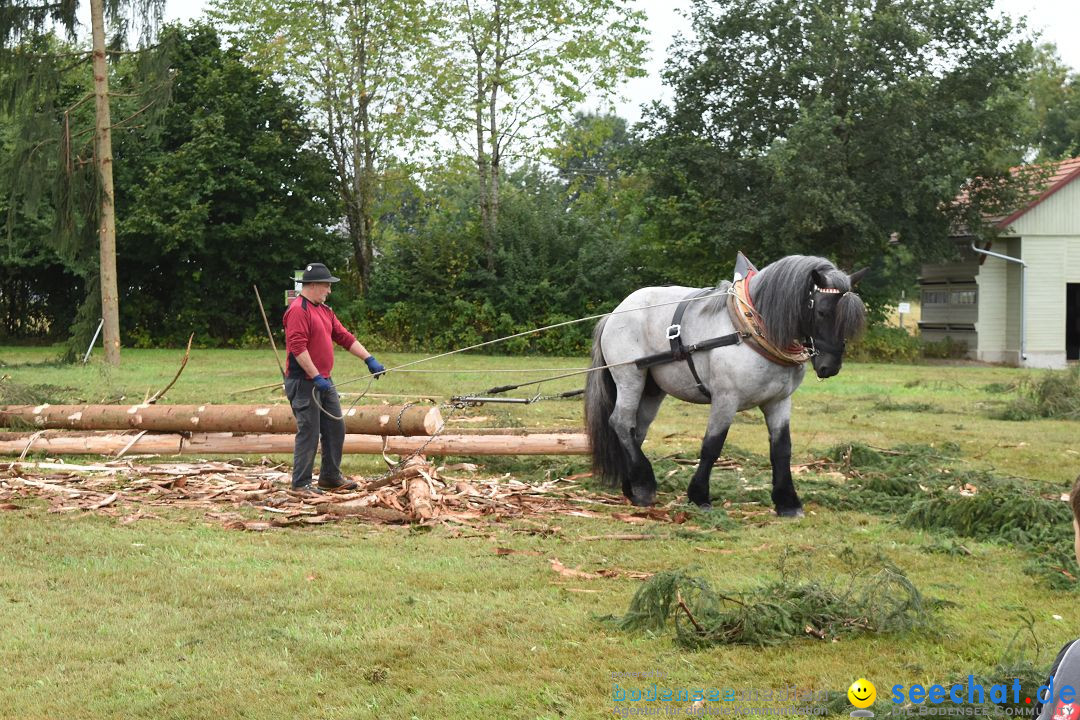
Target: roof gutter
{"type": "Point", "coordinates": [1023, 268]}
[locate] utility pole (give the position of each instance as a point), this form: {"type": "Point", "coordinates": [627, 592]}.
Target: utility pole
{"type": "Point", "coordinates": [110, 303]}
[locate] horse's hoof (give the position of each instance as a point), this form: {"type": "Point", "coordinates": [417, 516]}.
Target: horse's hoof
{"type": "Point", "coordinates": [705, 504]}
{"type": "Point", "coordinates": [643, 502]}
{"type": "Point", "coordinates": [791, 513]}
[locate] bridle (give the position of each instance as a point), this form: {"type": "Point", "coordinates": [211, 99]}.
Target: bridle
{"type": "Point", "coordinates": [817, 346]}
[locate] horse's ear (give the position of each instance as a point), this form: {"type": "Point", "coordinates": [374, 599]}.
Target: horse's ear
{"type": "Point", "coordinates": [856, 276]}
{"type": "Point", "coordinates": [819, 279]}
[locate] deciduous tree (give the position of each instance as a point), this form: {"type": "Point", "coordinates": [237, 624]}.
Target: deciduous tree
{"type": "Point", "coordinates": [227, 193]}
{"type": "Point", "coordinates": [364, 67]}
{"type": "Point", "coordinates": [516, 71]}
{"type": "Point", "coordinates": [829, 127]}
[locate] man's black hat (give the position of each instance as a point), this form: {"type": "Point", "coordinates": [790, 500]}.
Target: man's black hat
{"type": "Point", "coordinates": [317, 273]}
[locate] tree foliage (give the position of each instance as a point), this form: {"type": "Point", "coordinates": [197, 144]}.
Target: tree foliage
{"type": "Point", "coordinates": [49, 197]}
{"type": "Point", "coordinates": [367, 68]}
{"type": "Point", "coordinates": [564, 250]}
{"type": "Point", "coordinates": [226, 194]}
{"type": "Point", "coordinates": [1055, 100]}
{"type": "Point", "coordinates": [84, 196]}
{"type": "Point", "coordinates": [517, 69]}
{"type": "Point", "coordinates": [827, 126]}
{"type": "Point", "coordinates": [842, 128]}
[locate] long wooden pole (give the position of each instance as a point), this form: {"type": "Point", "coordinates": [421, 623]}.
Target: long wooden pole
{"type": "Point", "coordinates": [364, 419]}
{"type": "Point", "coordinates": [110, 303]}
{"type": "Point", "coordinates": [230, 444]}
{"type": "Point", "coordinates": [269, 334]}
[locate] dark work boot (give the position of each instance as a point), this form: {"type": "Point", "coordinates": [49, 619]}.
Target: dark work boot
{"type": "Point", "coordinates": [306, 490]}
{"type": "Point", "coordinates": [338, 484]}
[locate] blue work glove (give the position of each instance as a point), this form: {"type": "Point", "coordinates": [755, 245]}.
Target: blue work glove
{"type": "Point", "coordinates": [374, 366]}
{"type": "Point", "coordinates": [323, 384]}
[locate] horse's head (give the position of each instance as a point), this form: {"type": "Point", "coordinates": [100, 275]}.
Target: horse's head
{"type": "Point", "coordinates": [834, 315]}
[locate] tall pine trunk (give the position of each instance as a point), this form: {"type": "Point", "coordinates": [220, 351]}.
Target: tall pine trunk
{"type": "Point", "coordinates": [110, 304]}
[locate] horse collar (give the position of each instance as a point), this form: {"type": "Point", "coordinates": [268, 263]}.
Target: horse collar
{"type": "Point", "coordinates": [749, 322]}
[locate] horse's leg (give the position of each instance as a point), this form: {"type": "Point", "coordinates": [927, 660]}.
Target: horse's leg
{"type": "Point", "coordinates": [778, 418]}
{"type": "Point", "coordinates": [644, 486]}
{"type": "Point", "coordinates": [639, 486]}
{"type": "Point", "coordinates": [721, 413]}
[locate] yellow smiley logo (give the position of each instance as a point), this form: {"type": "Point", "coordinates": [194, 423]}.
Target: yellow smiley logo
{"type": "Point", "coordinates": [862, 693]}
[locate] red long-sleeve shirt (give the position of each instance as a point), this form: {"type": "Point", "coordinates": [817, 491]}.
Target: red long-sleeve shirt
{"type": "Point", "coordinates": [313, 327]}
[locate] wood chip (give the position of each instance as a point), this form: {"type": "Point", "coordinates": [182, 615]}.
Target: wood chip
{"type": "Point", "coordinates": [571, 572]}
{"type": "Point", "coordinates": [107, 501]}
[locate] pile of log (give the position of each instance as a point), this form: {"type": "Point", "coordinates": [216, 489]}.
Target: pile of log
{"type": "Point", "coordinates": [250, 429]}
{"type": "Point", "coordinates": [257, 496]}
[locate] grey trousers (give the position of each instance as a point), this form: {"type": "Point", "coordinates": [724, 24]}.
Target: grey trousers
{"type": "Point", "coordinates": [312, 425]}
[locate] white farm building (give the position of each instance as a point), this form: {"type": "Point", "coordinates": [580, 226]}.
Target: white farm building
{"type": "Point", "coordinates": [1016, 300]}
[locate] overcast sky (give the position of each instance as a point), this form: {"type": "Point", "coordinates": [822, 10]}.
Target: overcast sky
{"type": "Point", "coordinates": [1056, 20]}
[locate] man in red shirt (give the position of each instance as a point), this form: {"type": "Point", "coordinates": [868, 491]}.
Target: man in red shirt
{"type": "Point", "coordinates": [311, 329]}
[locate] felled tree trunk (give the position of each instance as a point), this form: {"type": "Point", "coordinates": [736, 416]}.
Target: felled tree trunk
{"type": "Point", "coordinates": [365, 420]}
{"type": "Point", "coordinates": [58, 443]}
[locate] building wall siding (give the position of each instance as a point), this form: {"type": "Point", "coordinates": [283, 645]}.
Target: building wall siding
{"type": "Point", "coordinates": [1057, 215]}
{"type": "Point", "coordinates": [944, 282]}
{"type": "Point", "coordinates": [1072, 257]}
{"type": "Point", "coordinates": [993, 307]}
{"type": "Point", "coordinates": [1045, 290]}
{"type": "Point", "coordinates": [1012, 293]}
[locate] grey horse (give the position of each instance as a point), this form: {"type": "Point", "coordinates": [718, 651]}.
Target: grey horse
{"type": "Point", "coordinates": [799, 302]}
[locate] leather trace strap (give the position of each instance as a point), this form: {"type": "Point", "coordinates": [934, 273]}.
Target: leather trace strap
{"type": "Point", "coordinates": [679, 351]}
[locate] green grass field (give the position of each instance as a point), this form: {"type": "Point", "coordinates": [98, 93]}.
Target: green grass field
{"type": "Point", "coordinates": [180, 618]}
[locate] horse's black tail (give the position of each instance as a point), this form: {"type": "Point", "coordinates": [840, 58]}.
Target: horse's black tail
{"type": "Point", "coordinates": [609, 460]}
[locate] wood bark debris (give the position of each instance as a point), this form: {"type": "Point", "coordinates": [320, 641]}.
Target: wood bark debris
{"type": "Point", "coordinates": [609, 573]}
{"type": "Point", "coordinates": [257, 497]}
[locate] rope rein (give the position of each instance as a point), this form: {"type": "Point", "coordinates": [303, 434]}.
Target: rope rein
{"type": "Point", "coordinates": [523, 333]}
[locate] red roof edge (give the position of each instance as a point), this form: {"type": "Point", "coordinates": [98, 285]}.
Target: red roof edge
{"type": "Point", "coordinates": [1062, 182]}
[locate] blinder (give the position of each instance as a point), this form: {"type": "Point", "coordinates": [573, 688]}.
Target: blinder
{"type": "Point", "coordinates": [818, 346]}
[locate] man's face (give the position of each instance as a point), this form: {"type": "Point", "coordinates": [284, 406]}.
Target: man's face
{"type": "Point", "coordinates": [318, 292]}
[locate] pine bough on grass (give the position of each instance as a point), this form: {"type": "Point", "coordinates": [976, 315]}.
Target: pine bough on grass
{"type": "Point", "coordinates": [945, 497]}
{"type": "Point", "coordinates": [1030, 522]}
{"type": "Point", "coordinates": [884, 600]}
{"type": "Point", "coordinates": [1054, 395]}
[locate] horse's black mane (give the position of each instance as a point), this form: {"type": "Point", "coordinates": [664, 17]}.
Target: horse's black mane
{"type": "Point", "coordinates": [781, 292]}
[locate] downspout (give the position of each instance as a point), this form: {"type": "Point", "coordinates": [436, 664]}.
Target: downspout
{"type": "Point", "coordinates": [1023, 268]}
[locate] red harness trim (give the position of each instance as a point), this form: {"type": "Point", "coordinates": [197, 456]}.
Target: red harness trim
{"type": "Point", "coordinates": [794, 354]}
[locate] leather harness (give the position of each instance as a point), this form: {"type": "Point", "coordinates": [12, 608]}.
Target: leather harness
{"type": "Point", "coordinates": [750, 328]}
{"type": "Point", "coordinates": [679, 351]}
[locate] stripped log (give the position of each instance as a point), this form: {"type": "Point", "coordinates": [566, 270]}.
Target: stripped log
{"type": "Point", "coordinates": [412, 468]}
{"type": "Point", "coordinates": [365, 511]}
{"type": "Point", "coordinates": [230, 444]}
{"type": "Point", "coordinates": [420, 500]}
{"type": "Point", "coordinates": [365, 420]}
